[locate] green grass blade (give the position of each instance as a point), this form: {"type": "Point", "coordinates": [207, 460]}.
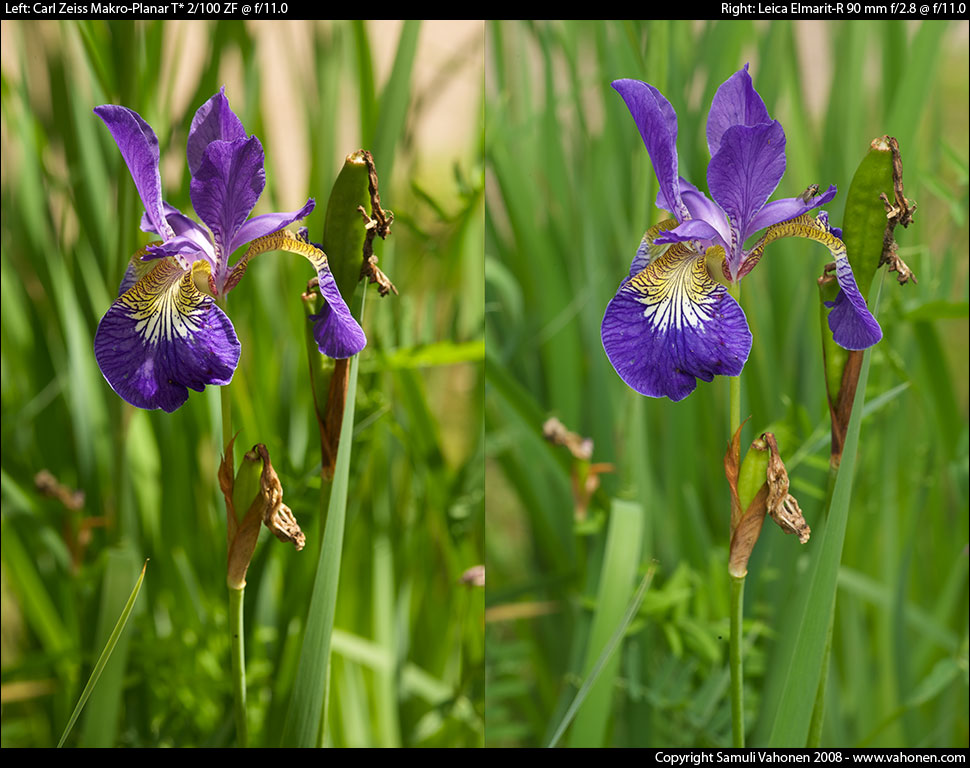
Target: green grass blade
{"type": "Point", "coordinates": [802, 667]}
{"type": "Point", "coordinates": [620, 560]}
{"type": "Point", "coordinates": [40, 611]}
{"type": "Point", "coordinates": [307, 704]}
{"type": "Point", "coordinates": [605, 656]}
{"type": "Point", "coordinates": [100, 727]}
{"type": "Point", "coordinates": [394, 100]}
{"type": "Point", "coordinates": [105, 655]}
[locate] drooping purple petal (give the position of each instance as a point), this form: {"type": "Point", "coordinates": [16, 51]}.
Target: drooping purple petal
{"type": "Point", "coordinates": [226, 186]}
{"type": "Point", "coordinates": [823, 220]}
{"type": "Point", "coordinates": [266, 224]}
{"type": "Point", "coordinates": [162, 337]}
{"type": "Point", "coordinates": [213, 121]}
{"type": "Point", "coordinates": [744, 173]}
{"type": "Point", "coordinates": [657, 122]}
{"type": "Point", "coordinates": [788, 208]}
{"type": "Point", "coordinates": [139, 147]}
{"type": "Point", "coordinates": [671, 324]}
{"type": "Point", "coordinates": [735, 103]}
{"type": "Point", "coordinates": [851, 322]}
{"type": "Point", "coordinates": [337, 333]}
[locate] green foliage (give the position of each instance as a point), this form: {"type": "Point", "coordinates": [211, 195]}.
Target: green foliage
{"type": "Point", "coordinates": [408, 642]}
{"type": "Point", "coordinates": [573, 193]}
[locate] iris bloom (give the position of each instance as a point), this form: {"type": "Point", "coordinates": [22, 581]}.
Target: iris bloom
{"type": "Point", "coordinates": [671, 322]}
{"type": "Point", "coordinates": [165, 333]}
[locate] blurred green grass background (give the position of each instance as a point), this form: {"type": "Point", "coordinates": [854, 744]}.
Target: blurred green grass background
{"type": "Point", "coordinates": [570, 191]}
{"type": "Point", "coordinates": [408, 646]}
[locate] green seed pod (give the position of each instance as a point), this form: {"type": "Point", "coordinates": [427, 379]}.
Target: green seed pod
{"type": "Point", "coordinates": [754, 472]}
{"type": "Point", "coordinates": [343, 231]}
{"type": "Point", "coordinates": [864, 223]}
{"type": "Point", "coordinates": [246, 486]}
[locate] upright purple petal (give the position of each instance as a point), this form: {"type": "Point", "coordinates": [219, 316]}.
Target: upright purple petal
{"type": "Point", "coordinates": [139, 147]}
{"type": "Point", "coordinates": [735, 103]}
{"type": "Point", "coordinates": [657, 122]}
{"type": "Point", "coordinates": [213, 121]}
{"type": "Point", "coordinates": [744, 173]}
{"type": "Point", "coordinates": [162, 337]}
{"type": "Point", "coordinates": [671, 324]}
{"type": "Point", "coordinates": [226, 186]}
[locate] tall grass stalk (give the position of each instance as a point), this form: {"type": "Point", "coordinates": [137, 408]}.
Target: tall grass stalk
{"type": "Point", "coordinates": [305, 724]}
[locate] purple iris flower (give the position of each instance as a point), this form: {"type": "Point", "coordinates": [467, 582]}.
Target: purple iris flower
{"type": "Point", "coordinates": [671, 322]}
{"type": "Point", "coordinates": [165, 333]}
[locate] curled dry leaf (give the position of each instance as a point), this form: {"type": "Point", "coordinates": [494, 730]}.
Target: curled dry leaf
{"type": "Point", "coordinates": [51, 487]}
{"type": "Point", "coordinates": [266, 508]}
{"type": "Point", "coordinates": [782, 506]}
{"type": "Point", "coordinates": [745, 535]}
{"type": "Point", "coordinates": [899, 211]}
{"type": "Point", "coordinates": [585, 475]}
{"type": "Point", "coordinates": [772, 499]}
{"type": "Point", "coordinates": [474, 576]}
{"type": "Point", "coordinates": [378, 224]}
{"type": "Point", "coordinates": [275, 514]}
{"type": "Point", "coordinates": [555, 432]}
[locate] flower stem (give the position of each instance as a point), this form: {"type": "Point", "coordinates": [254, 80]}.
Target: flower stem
{"type": "Point", "coordinates": [238, 662]}
{"type": "Point", "coordinates": [225, 399]}
{"type": "Point", "coordinates": [236, 624]}
{"type": "Point", "coordinates": [737, 584]}
{"type": "Point", "coordinates": [737, 672]}
{"type": "Point", "coordinates": [735, 381]}
{"type": "Point", "coordinates": [226, 416]}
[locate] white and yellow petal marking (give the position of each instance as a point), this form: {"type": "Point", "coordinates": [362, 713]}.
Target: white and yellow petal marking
{"type": "Point", "coordinates": [671, 324]}
{"type": "Point", "coordinates": [675, 290]}
{"type": "Point", "coordinates": [166, 304]}
{"type": "Point", "coordinates": [163, 335]}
